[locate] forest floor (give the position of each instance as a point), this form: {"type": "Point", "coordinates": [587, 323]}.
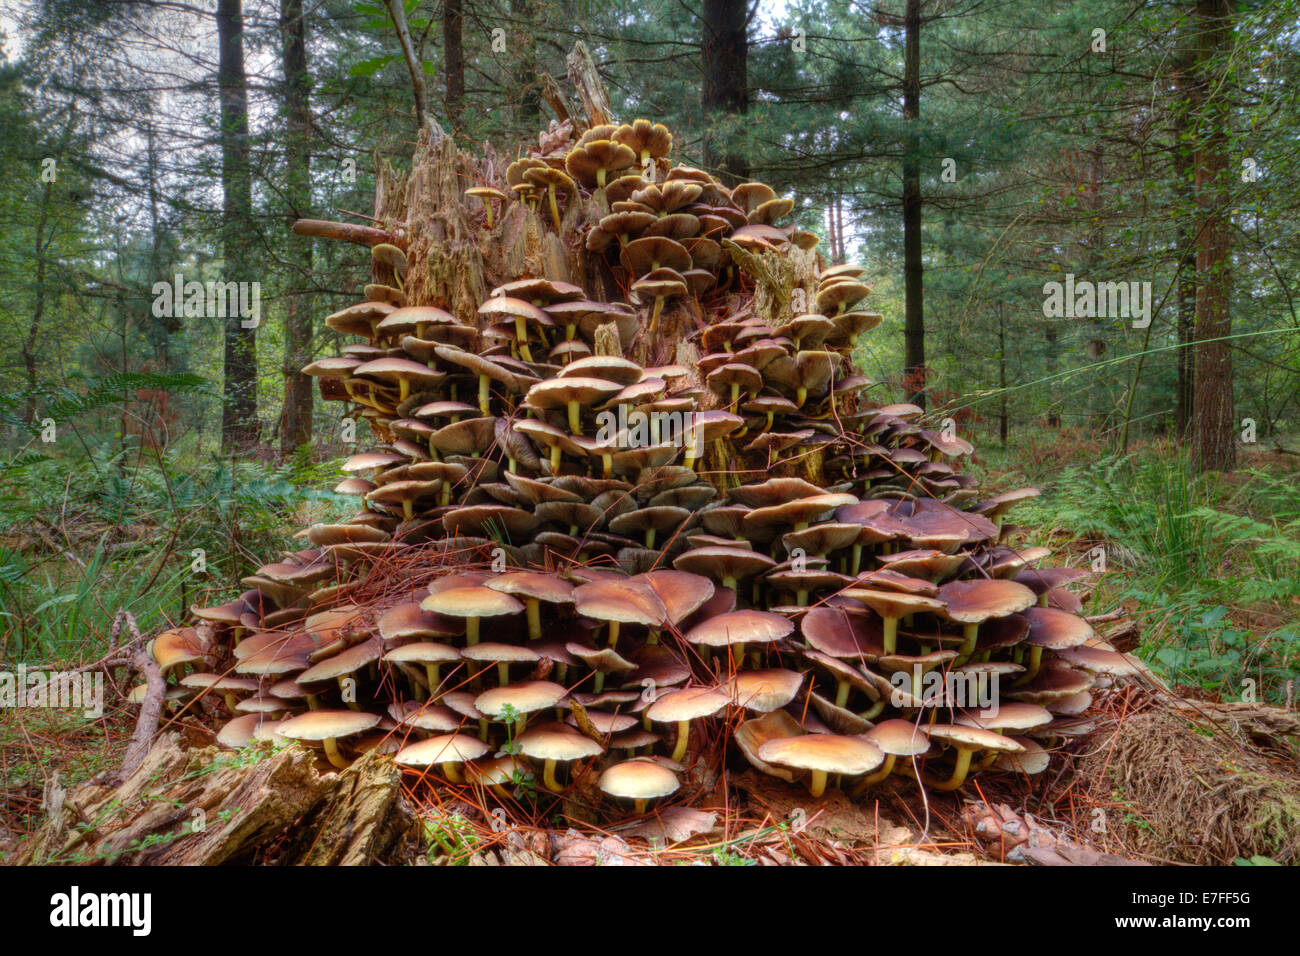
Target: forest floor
{"type": "Point", "coordinates": [1198, 765]}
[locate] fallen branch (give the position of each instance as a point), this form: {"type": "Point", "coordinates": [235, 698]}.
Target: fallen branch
{"type": "Point", "coordinates": [146, 724]}
{"type": "Point", "coordinates": [349, 232]}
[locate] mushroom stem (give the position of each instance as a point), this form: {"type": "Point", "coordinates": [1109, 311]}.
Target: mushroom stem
{"type": "Point", "coordinates": [817, 783]}
{"type": "Point", "coordinates": [874, 711]}
{"type": "Point", "coordinates": [613, 633]}
{"type": "Point", "coordinates": [533, 608]}
{"type": "Point", "coordinates": [842, 689]}
{"type": "Point", "coordinates": [958, 772]}
{"type": "Point", "coordinates": [433, 677]}
{"type": "Point", "coordinates": [857, 560]}
{"type": "Point", "coordinates": [1031, 669]}
{"type": "Point", "coordinates": [484, 394]}
{"type": "Point", "coordinates": [654, 315]}
{"type": "Point", "coordinates": [640, 805]}
{"type": "Point", "coordinates": [575, 419]}
{"type": "Point", "coordinates": [548, 777]}
{"type": "Point", "coordinates": [487, 207]}
{"type": "Point", "coordinates": [332, 752]}
{"type": "Point", "coordinates": [683, 736]}
{"type": "Point", "coordinates": [890, 639]}
{"type": "Point", "coordinates": [970, 632]}
{"type": "Point", "coordinates": [873, 778]}
{"type": "Point", "coordinates": [555, 210]}
{"type": "Point", "coordinates": [521, 328]}
{"type": "Point", "coordinates": [555, 459]}
{"type": "Point", "coordinates": [450, 771]}
{"type": "Point", "coordinates": [503, 673]}
{"type": "Point", "coordinates": [471, 630]}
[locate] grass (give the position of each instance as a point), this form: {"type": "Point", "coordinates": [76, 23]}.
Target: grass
{"type": "Point", "coordinates": [1210, 565]}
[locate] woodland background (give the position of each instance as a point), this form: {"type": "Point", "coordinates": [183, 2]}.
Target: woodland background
{"type": "Point", "coordinates": [965, 151]}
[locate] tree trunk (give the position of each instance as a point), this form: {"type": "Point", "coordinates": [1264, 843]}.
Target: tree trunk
{"type": "Point", "coordinates": [239, 412]}
{"type": "Point", "coordinates": [1186, 315]}
{"type": "Point", "coordinates": [527, 84]}
{"type": "Point", "coordinates": [298, 396]}
{"type": "Point", "coordinates": [453, 62]}
{"type": "Point", "coordinates": [725, 93]}
{"type": "Point", "coordinates": [1213, 414]}
{"type": "Point", "coordinates": [1002, 377]}
{"type": "Point", "coordinates": [913, 270]}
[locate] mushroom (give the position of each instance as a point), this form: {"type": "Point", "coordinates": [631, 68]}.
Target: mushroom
{"type": "Point", "coordinates": [972, 602]}
{"type": "Point", "coordinates": [967, 741]}
{"type": "Point", "coordinates": [823, 754]}
{"type": "Point", "coordinates": [472, 603]}
{"type": "Point", "coordinates": [638, 780]}
{"type": "Point", "coordinates": [533, 587]}
{"type": "Point", "coordinates": [556, 743]}
{"type": "Point", "coordinates": [327, 726]}
{"type": "Point", "coordinates": [522, 699]}
{"type": "Point", "coordinates": [895, 738]}
{"type": "Point", "coordinates": [892, 606]}
{"type": "Point", "coordinates": [447, 750]}
{"type": "Point", "coordinates": [680, 707]}
{"type": "Point", "coordinates": [487, 194]}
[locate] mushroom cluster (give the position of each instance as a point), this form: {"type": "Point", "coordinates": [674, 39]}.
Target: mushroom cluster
{"type": "Point", "coordinates": [596, 568]}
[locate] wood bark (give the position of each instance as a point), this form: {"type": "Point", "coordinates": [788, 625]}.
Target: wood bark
{"type": "Point", "coordinates": [1213, 413]}
{"type": "Point", "coordinates": [299, 321]}
{"type": "Point", "coordinates": [913, 267]}
{"type": "Point", "coordinates": [725, 93]}
{"type": "Point", "coordinates": [239, 410]}
{"type": "Point", "coordinates": [453, 62]}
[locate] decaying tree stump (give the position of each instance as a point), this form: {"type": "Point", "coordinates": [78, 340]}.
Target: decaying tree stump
{"type": "Point", "coordinates": [204, 807]}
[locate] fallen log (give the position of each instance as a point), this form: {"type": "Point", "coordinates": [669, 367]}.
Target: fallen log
{"type": "Point", "coordinates": [201, 806]}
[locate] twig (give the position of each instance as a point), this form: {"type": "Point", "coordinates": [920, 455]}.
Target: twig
{"type": "Point", "coordinates": [350, 232]}
{"type": "Point", "coordinates": [397, 10]}
{"type": "Point", "coordinates": [146, 725]}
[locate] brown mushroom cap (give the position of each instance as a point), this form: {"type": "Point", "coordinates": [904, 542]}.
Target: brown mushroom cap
{"type": "Point", "coordinates": [525, 697]}
{"type": "Point", "coordinates": [472, 601]}
{"type": "Point", "coordinates": [1005, 716]}
{"type": "Point", "coordinates": [1055, 629]}
{"type": "Point", "coordinates": [978, 599]}
{"type": "Point", "coordinates": [638, 780]}
{"type": "Point", "coordinates": [557, 742]}
{"type": "Point", "coordinates": [326, 724]}
{"type": "Point", "coordinates": [689, 703]}
{"type": "Point", "coordinates": [825, 753]}
{"type": "Point", "coordinates": [741, 627]}
{"type": "Point", "coordinates": [627, 601]}
{"type": "Point", "coordinates": [901, 738]}
{"type": "Point", "coordinates": [766, 690]}
{"type": "Point", "coordinates": [446, 748]}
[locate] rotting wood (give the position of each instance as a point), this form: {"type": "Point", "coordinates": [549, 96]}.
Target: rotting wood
{"type": "Point", "coordinates": [347, 231]}
{"type": "Point", "coordinates": [591, 89]}
{"type": "Point", "coordinates": [201, 806]}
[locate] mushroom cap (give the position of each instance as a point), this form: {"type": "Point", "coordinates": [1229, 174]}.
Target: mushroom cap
{"type": "Point", "coordinates": [626, 600]}
{"type": "Point", "coordinates": [741, 627]}
{"type": "Point", "coordinates": [902, 738]}
{"type": "Point", "coordinates": [499, 653]}
{"type": "Point", "coordinates": [327, 724]}
{"type": "Point", "coordinates": [534, 584]}
{"type": "Point", "coordinates": [976, 600]}
{"type": "Point", "coordinates": [557, 742]}
{"type": "Point", "coordinates": [423, 653]}
{"type": "Point", "coordinates": [343, 663]}
{"type": "Point", "coordinates": [689, 703]}
{"type": "Point", "coordinates": [829, 753]}
{"type": "Point", "coordinates": [446, 748]}
{"type": "Point", "coordinates": [472, 601]}
{"type": "Point", "coordinates": [764, 691]}
{"type": "Point", "coordinates": [796, 511]}
{"type": "Point", "coordinates": [426, 716]}
{"type": "Point", "coordinates": [1099, 660]}
{"type": "Point", "coordinates": [525, 697]}
{"type": "Point", "coordinates": [410, 620]}
{"type": "Point", "coordinates": [1005, 716]}
{"type": "Point", "coordinates": [1034, 759]}
{"type": "Point", "coordinates": [1055, 629]}
{"type": "Point", "coordinates": [716, 561]}
{"type": "Point", "coordinates": [893, 604]}
{"type": "Point", "coordinates": [638, 780]}
{"type": "Point", "coordinates": [835, 631]}
{"type": "Point", "coordinates": [681, 592]}
{"type": "Point", "coordinates": [558, 392]}
{"type": "Point", "coordinates": [972, 738]}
